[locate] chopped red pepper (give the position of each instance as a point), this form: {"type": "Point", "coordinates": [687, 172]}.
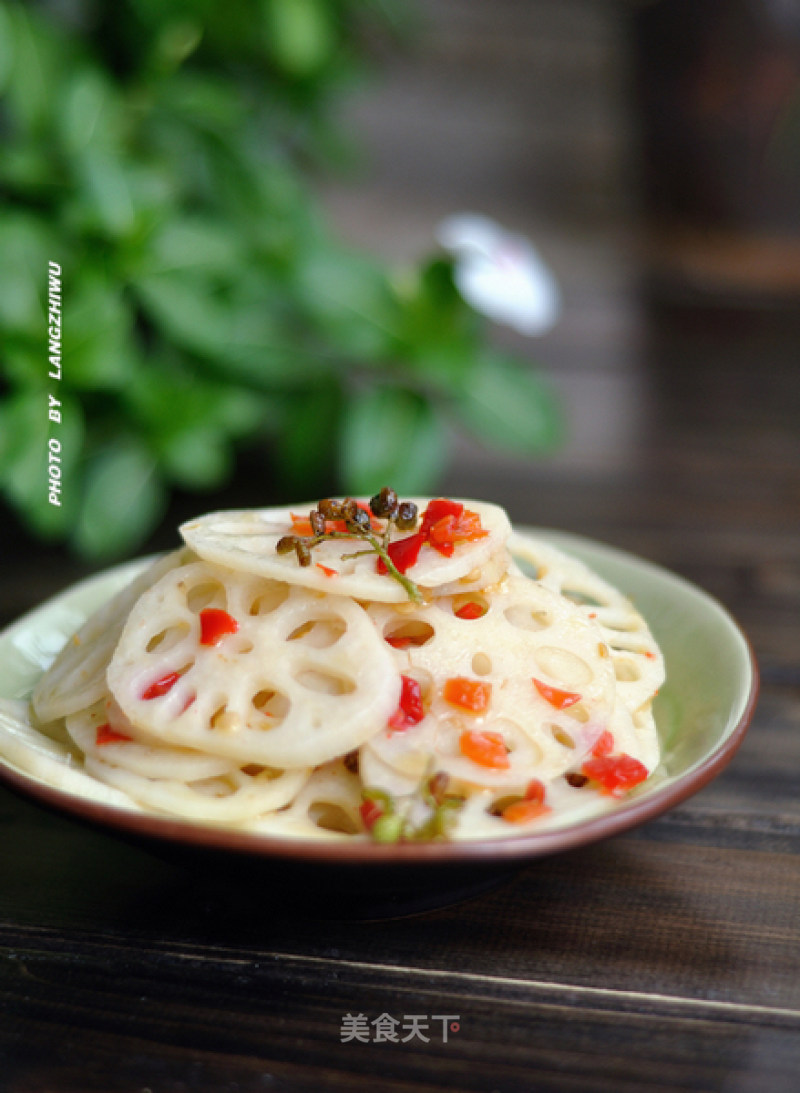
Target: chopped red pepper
{"type": "Point", "coordinates": [558, 698]}
{"type": "Point", "coordinates": [446, 522]}
{"type": "Point", "coordinates": [519, 812]}
{"type": "Point", "coordinates": [604, 745]}
{"type": "Point", "coordinates": [471, 610]}
{"type": "Point", "coordinates": [488, 749]}
{"type": "Point", "coordinates": [161, 686]}
{"type": "Point", "coordinates": [215, 624]}
{"type": "Point", "coordinates": [370, 812]}
{"type": "Point", "coordinates": [615, 775]}
{"type": "Point", "coordinates": [438, 509]}
{"type": "Point", "coordinates": [468, 694]}
{"type": "Point", "coordinates": [106, 735]}
{"type": "Point", "coordinates": [403, 552]}
{"type": "Point", "coordinates": [535, 791]}
{"type": "Point", "coordinates": [326, 569]}
{"type": "Point", "coordinates": [410, 710]}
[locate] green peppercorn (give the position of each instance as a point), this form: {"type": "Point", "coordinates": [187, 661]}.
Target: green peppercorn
{"type": "Point", "coordinates": [317, 521]}
{"type": "Point", "coordinates": [330, 509]}
{"type": "Point", "coordinates": [359, 521]}
{"type": "Point", "coordinates": [384, 504]}
{"type": "Point", "coordinates": [406, 516]}
{"type": "Point", "coordinates": [286, 545]}
{"type": "Point", "coordinates": [303, 552]}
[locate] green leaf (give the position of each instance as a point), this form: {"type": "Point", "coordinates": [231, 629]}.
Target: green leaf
{"type": "Point", "coordinates": [106, 191]}
{"type": "Point", "coordinates": [198, 457]}
{"type": "Point", "coordinates": [124, 499]}
{"type": "Point", "coordinates": [6, 47]}
{"type": "Point", "coordinates": [187, 310]}
{"type": "Point", "coordinates": [509, 407]}
{"type": "Point", "coordinates": [349, 298]}
{"type": "Point", "coordinates": [195, 243]}
{"type": "Point", "coordinates": [89, 112]}
{"type": "Point", "coordinates": [391, 437]}
{"type": "Point", "coordinates": [97, 333]}
{"type": "Point", "coordinates": [33, 70]}
{"type": "Point", "coordinates": [299, 35]}
{"type": "Point", "coordinates": [306, 452]}
{"type": "Point", "coordinates": [26, 247]}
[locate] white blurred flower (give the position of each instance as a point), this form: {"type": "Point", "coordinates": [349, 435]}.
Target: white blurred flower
{"type": "Point", "coordinates": [500, 273]}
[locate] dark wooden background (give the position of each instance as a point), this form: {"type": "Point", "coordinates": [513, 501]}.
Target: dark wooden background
{"type": "Point", "coordinates": [665, 959]}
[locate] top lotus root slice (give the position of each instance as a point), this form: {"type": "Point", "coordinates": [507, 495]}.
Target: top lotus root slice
{"type": "Point", "coordinates": [77, 677]}
{"type": "Point", "coordinates": [527, 632]}
{"type": "Point", "coordinates": [302, 680]}
{"type": "Point", "coordinates": [245, 540]}
{"type": "Point", "coordinates": [638, 660]}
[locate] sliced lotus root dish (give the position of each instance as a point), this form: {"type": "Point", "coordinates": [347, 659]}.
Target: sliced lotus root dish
{"type": "Point", "coordinates": [247, 541]}
{"type": "Point", "coordinates": [380, 670]}
{"type": "Point", "coordinates": [244, 667]}
{"type": "Point", "coordinates": [77, 677]}
{"type": "Point", "coordinates": [106, 736]}
{"type": "Point", "coordinates": [638, 661]}
{"type": "Point", "coordinates": [524, 665]}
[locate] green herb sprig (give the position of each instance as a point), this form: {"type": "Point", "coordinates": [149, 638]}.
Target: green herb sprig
{"type": "Point", "coordinates": [399, 515]}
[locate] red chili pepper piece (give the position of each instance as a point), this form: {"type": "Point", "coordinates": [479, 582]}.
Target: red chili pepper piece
{"type": "Point", "coordinates": [438, 509]}
{"type": "Point", "coordinates": [370, 812]}
{"type": "Point", "coordinates": [519, 812]}
{"type": "Point", "coordinates": [535, 791]}
{"type": "Point", "coordinates": [468, 694]}
{"type": "Point", "coordinates": [558, 698]}
{"type": "Point", "coordinates": [604, 745]}
{"type": "Point", "coordinates": [615, 775]}
{"type": "Point", "coordinates": [410, 710]}
{"type": "Point", "coordinates": [471, 610]}
{"type": "Point", "coordinates": [161, 686]}
{"type": "Point", "coordinates": [215, 624]}
{"type": "Point", "coordinates": [403, 552]}
{"type": "Point", "coordinates": [106, 735]}
{"type": "Point", "coordinates": [488, 749]}
{"type": "Point", "coordinates": [326, 569]}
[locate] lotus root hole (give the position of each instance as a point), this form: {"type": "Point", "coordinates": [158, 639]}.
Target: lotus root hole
{"type": "Point", "coordinates": [412, 633]}
{"type": "Point", "coordinates": [206, 594]}
{"type": "Point", "coordinates": [271, 704]}
{"type": "Point", "coordinates": [578, 712]}
{"type": "Point", "coordinates": [562, 665]}
{"type": "Point", "coordinates": [481, 664]}
{"type": "Point", "coordinates": [319, 633]}
{"type": "Point", "coordinates": [561, 736]}
{"type": "Point", "coordinates": [626, 670]}
{"type": "Point", "coordinates": [269, 599]}
{"type": "Point", "coordinates": [467, 600]}
{"type": "Point", "coordinates": [225, 720]}
{"type": "Point", "coordinates": [167, 638]}
{"type": "Point", "coordinates": [528, 618]}
{"type": "Point", "coordinates": [326, 683]}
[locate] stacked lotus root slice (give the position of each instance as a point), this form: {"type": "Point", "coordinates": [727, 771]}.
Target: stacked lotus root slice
{"type": "Point", "coordinates": [477, 686]}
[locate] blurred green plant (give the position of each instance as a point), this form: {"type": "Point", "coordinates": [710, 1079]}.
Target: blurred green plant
{"type": "Point", "coordinates": [161, 152]}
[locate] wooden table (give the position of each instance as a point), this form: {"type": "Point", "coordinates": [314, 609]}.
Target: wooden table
{"type": "Point", "coordinates": [664, 959]}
